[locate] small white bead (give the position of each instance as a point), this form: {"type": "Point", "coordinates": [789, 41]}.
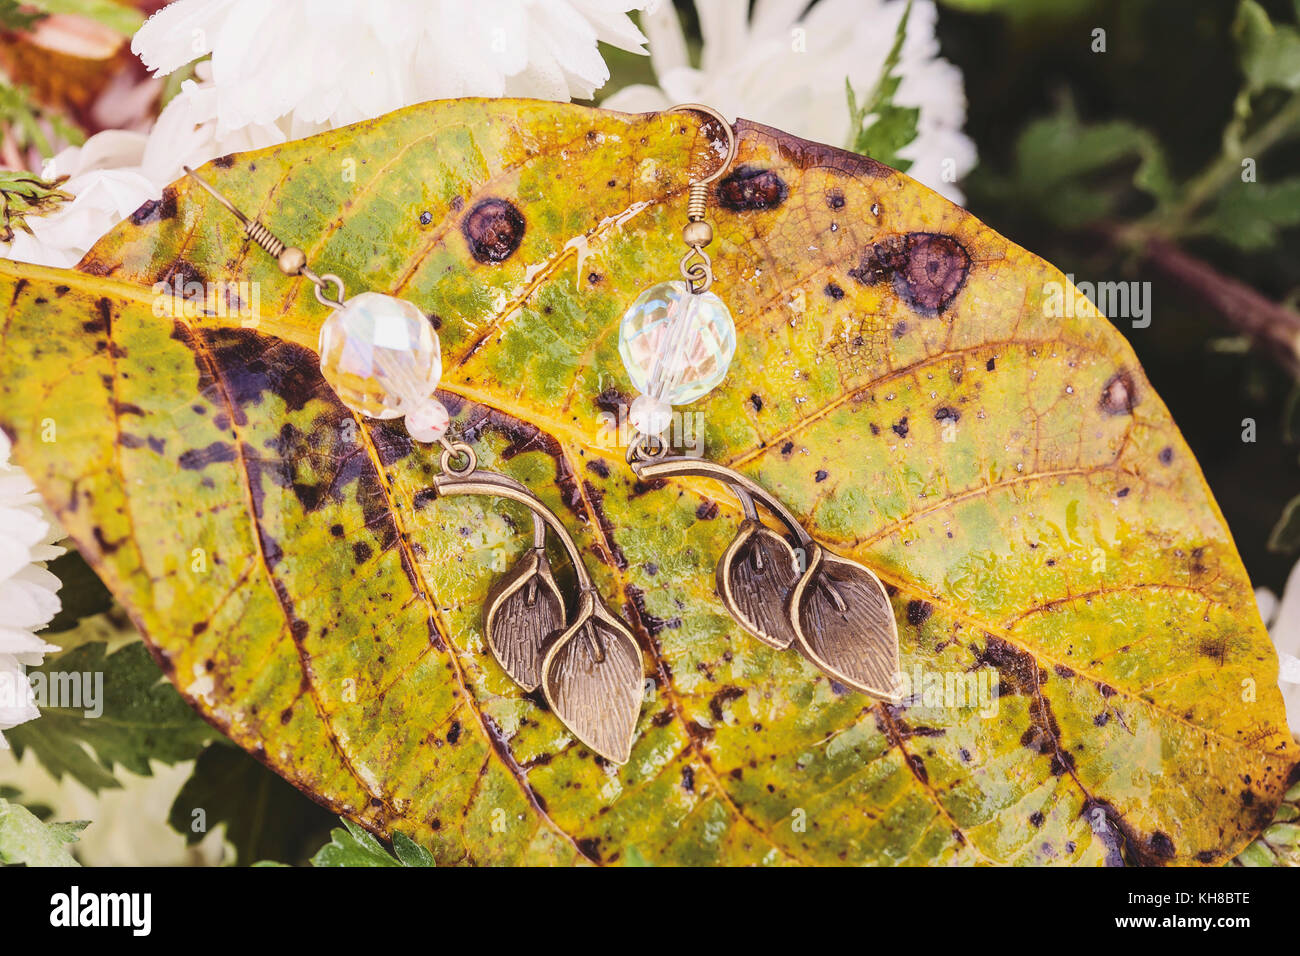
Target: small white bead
{"type": "Point", "coordinates": [427, 422]}
{"type": "Point", "coordinates": [650, 416]}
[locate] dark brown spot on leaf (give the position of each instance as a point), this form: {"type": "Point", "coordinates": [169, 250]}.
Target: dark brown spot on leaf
{"type": "Point", "coordinates": [494, 228]}
{"type": "Point", "coordinates": [155, 210]}
{"type": "Point", "coordinates": [918, 612]}
{"type": "Point", "coordinates": [1119, 395]}
{"type": "Point", "coordinates": [927, 269]}
{"type": "Point", "coordinates": [196, 459]}
{"type": "Point", "coordinates": [752, 188]}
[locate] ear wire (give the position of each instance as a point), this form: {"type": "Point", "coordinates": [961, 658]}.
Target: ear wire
{"type": "Point", "coordinates": [291, 260]}
{"type": "Point", "coordinates": [696, 266]}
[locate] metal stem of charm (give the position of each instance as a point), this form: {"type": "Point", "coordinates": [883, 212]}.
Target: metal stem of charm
{"type": "Point", "coordinates": [591, 669]}
{"type": "Point", "coordinates": [469, 481]}
{"type": "Point", "coordinates": [746, 489]}
{"type": "Point", "coordinates": [500, 486]}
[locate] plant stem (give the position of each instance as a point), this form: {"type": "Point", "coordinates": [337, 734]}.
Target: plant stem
{"type": "Point", "coordinates": [1282, 124]}
{"type": "Point", "coordinates": [1270, 325]}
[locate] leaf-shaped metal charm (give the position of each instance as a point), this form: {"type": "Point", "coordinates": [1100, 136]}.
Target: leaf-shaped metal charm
{"type": "Point", "coordinates": [592, 679]}
{"type": "Point", "coordinates": [523, 609]}
{"type": "Point", "coordinates": [845, 625]}
{"type": "Point", "coordinates": [755, 577]}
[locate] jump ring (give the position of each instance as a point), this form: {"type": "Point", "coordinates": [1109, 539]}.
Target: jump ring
{"type": "Point", "coordinates": [458, 450]}
{"type": "Point", "coordinates": [646, 448]}
{"type": "Point", "coordinates": [319, 282]}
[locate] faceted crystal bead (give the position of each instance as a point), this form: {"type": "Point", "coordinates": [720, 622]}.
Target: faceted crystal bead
{"type": "Point", "coordinates": [380, 354]}
{"type": "Point", "coordinates": [676, 345]}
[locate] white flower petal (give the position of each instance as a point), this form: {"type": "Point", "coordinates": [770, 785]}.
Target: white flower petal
{"type": "Point", "coordinates": [751, 66]}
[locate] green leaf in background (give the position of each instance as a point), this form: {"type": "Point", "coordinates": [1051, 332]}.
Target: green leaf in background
{"type": "Point", "coordinates": [354, 846]}
{"type": "Point", "coordinates": [1249, 215]}
{"type": "Point", "coordinates": [118, 17]}
{"type": "Point", "coordinates": [266, 818]}
{"type": "Point", "coordinates": [880, 127]}
{"type": "Point", "coordinates": [24, 194]}
{"type": "Point", "coordinates": [82, 593]}
{"type": "Point", "coordinates": [16, 16]}
{"type": "Point", "coordinates": [1270, 54]}
{"type": "Point", "coordinates": [142, 717]}
{"type": "Point", "coordinates": [25, 839]}
{"type": "Point", "coordinates": [1286, 533]}
{"type": "Point", "coordinates": [1023, 9]}
{"type": "Point", "coordinates": [1279, 845]}
{"type": "Point", "coordinates": [1060, 160]}
{"type": "Point", "coordinates": [410, 852]}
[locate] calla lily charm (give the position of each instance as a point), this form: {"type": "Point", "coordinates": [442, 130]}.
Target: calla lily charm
{"type": "Point", "coordinates": [589, 669]}
{"type": "Point", "coordinates": [677, 340]}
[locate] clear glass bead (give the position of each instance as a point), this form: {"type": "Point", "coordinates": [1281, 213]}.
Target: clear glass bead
{"type": "Point", "coordinates": [380, 354]}
{"type": "Point", "coordinates": [427, 422]}
{"type": "Point", "coordinates": [676, 345]}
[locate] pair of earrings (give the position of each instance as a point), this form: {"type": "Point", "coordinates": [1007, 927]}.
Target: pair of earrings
{"type": "Point", "coordinates": [382, 357]}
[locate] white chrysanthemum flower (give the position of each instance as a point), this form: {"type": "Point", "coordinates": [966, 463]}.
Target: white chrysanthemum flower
{"type": "Point", "coordinates": [327, 63]}
{"type": "Point", "coordinates": [1283, 620]}
{"type": "Point", "coordinates": [107, 185]}
{"type": "Point", "coordinates": [281, 71]}
{"type": "Point", "coordinates": [28, 592]}
{"type": "Point", "coordinates": [786, 68]}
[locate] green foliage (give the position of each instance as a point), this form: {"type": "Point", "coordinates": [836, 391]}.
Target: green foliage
{"type": "Point", "coordinates": [354, 846]}
{"type": "Point", "coordinates": [1073, 173]}
{"type": "Point", "coordinates": [266, 819]}
{"type": "Point", "coordinates": [1250, 216]}
{"type": "Point", "coordinates": [1270, 54]}
{"type": "Point", "coordinates": [880, 127]}
{"type": "Point", "coordinates": [119, 17]}
{"type": "Point", "coordinates": [1279, 845]}
{"type": "Point", "coordinates": [25, 839]}
{"type": "Point", "coordinates": [24, 194]}
{"type": "Point", "coordinates": [1286, 533]}
{"type": "Point", "coordinates": [82, 594]}
{"type": "Point", "coordinates": [143, 718]}
{"type": "Point", "coordinates": [1023, 9]}
{"type": "Point", "coordinates": [18, 16]}
{"type": "Point", "coordinates": [21, 117]}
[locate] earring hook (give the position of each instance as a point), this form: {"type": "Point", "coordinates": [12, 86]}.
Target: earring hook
{"type": "Point", "coordinates": [726, 127]}
{"type": "Point", "coordinates": [291, 260]}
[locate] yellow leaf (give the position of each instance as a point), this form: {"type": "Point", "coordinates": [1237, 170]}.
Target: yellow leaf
{"type": "Point", "coordinates": [900, 383]}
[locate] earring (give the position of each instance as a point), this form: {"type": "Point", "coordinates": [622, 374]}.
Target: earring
{"type": "Point", "coordinates": [382, 357]}
{"type": "Point", "coordinates": [677, 340]}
